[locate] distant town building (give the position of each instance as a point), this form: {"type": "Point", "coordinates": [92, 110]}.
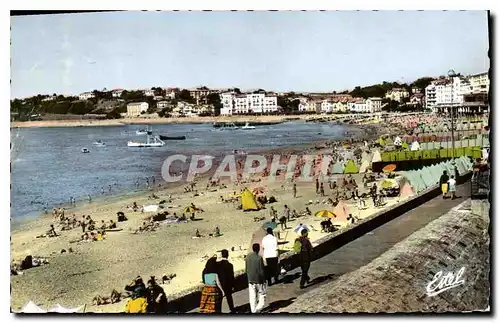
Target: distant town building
{"type": "Point", "coordinates": [417, 99]}
{"type": "Point", "coordinates": [370, 105]}
{"type": "Point", "coordinates": [302, 104]}
{"type": "Point", "coordinates": [397, 94]}
{"type": "Point", "coordinates": [248, 103]}
{"type": "Point", "coordinates": [50, 98]}
{"type": "Point", "coordinates": [170, 93]}
{"type": "Point", "coordinates": [86, 95]}
{"type": "Point", "coordinates": [148, 92]}
{"type": "Point", "coordinates": [117, 93]}
{"type": "Point", "coordinates": [200, 94]}
{"type": "Point", "coordinates": [158, 97]}
{"type": "Point", "coordinates": [162, 104]}
{"type": "Point", "coordinates": [314, 106]}
{"type": "Point", "coordinates": [135, 109]}
{"type": "Point", "coordinates": [480, 83]}
{"type": "Point", "coordinates": [444, 93]}
{"type": "Point", "coordinates": [415, 90]}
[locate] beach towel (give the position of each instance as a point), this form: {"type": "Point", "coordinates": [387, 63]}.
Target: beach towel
{"type": "Point", "coordinates": [150, 208]}
{"type": "Point", "coordinates": [211, 300]}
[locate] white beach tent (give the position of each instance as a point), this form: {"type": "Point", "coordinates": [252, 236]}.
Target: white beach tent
{"type": "Point", "coordinates": [364, 166]}
{"type": "Point", "coordinates": [376, 156]}
{"type": "Point", "coordinates": [61, 309]}
{"type": "Point", "coordinates": [32, 308]}
{"type": "Point", "coordinates": [415, 146]}
{"type": "Point", "coordinates": [338, 168]}
{"type": "Point", "coordinates": [397, 141]}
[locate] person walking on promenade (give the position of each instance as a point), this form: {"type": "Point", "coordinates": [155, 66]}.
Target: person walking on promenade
{"type": "Point", "coordinates": [443, 181]}
{"type": "Point", "coordinates": [226, 278]}
{"type": "Point", "coordinates": [270, 245]}
{"type": "Point", "coordinates": [317, 186]}
{"type": "Point", "coordinates": [322, 190]}
{"type": "Point", "coordinates": [212, 292]}
{"type": "Point", "coordinates": [254, 268]}
{"type": "Point", "coordinates": [286, 213]}
{"type": "Point", "coordinates": [452, 187]}
{"type": "Point", "coordinates": [294, 190]}
{"type": "Point", "coordinates": [304, 248]}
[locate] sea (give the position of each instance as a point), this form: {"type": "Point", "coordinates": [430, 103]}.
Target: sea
{"type": "Point", "coordinates": [48, 167]}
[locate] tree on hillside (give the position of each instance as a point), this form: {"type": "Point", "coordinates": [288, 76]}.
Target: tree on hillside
{"type": "Point", "coordinates": [184, 95]}
{"type": "Point", "coordinates": [214, 99]}
{"type": "Point", "coordinates": [238, 91]}
{"type": "Point", "coordinates": [422, 82]}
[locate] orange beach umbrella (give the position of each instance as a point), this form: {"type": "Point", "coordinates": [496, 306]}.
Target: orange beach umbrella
{"type": "Point", "coordinates": [389, 168]}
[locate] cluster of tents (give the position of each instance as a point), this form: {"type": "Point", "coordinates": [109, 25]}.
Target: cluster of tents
{"type": "Point", "coordinates": [32, 308]}
{"type": "Point", "coordinates": [427, 177]}
{"type": "Point", "coordinates": [350, 166]}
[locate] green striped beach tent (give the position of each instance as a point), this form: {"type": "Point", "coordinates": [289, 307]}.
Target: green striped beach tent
{"type": "Point", "coordinates": [350, 167]}
{"type": "Point", "coordinates": [365, 164]}
{"type": "Point", "coordinates": [338, 168]}
{"type": "Point", "coordinates": [405, 146]}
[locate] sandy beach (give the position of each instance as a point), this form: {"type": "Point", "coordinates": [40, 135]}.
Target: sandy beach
{"type": "Point", "coordinates": [98, 267]}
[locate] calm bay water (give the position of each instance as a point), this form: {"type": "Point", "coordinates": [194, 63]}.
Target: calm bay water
{"type": "Point", "coordinates": [47, 167]}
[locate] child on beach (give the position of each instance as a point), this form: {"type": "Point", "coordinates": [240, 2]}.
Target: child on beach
{"type": "Point", "coordinates": [452, 186]}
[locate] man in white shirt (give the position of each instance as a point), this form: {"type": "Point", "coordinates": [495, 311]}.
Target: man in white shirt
{"type": "Point", "coordinates": [270, 246]}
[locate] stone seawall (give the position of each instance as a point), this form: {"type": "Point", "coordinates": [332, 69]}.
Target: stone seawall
{"type": "Point", "coordinates": [397, 280]}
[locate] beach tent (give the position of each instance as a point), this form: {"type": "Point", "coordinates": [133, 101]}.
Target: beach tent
{"type": "Point", "coordinates": [406, 190]}
{"type": "Point", "coordinates": [350, 168]}
{"type": "Point", "coordinates": [61, 309]}
{"type": "Point", "coordinates": [415, 146]}
{"type": "Point", "coordinates": [376, 156]}
{"type": "Point", "coordinates": [397, 141]}
{"type": "Point", "coordinates": [338, 168]}
{"type": "Point", "coordinates": [31, 307]}
{"type": "Point", "coordinates": [364, 166]}
{"type": "Point", "coordinates": [248, 202]}
{"type": "Point", "coordinates": [341, 211]}
{"type": "Point", "coordinates": [381, 141]}
{"type": "Point", "coordinates": [405, 146]}
{"type": "Point", "coordinates": [388, 142]}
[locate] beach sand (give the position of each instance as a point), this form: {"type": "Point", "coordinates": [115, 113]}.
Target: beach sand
{"type": "Point", "coordinates": [73, 279]}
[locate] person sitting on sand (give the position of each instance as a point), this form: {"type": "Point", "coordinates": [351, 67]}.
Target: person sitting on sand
{"type": "Point", "coordinates": [112, 224]}
{"type": "Point", "coordinates": [217, 232]}
{"type": "Point", "coordinates": [295, 214]}
{"type": "Point", "coordinates": [135, 208]}
{"type": "Point", "coordinates": [51, 232]}
{"type": "Point", "coordinates": [157, 300]}
{"type": "Point", "coordinates": [138, 302]}
{"type": "Point", "coordinates": [327, 226]}
{"type": "Point", "coordinates": [197, 234]}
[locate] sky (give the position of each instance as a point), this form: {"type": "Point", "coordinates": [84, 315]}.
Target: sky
{"type": "Point", "coordinates": [278, 51]}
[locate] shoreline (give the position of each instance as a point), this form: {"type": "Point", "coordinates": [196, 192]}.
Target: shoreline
{"type": "Point", "coordinates": [158, 120]}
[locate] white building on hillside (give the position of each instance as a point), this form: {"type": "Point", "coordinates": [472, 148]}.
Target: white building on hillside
{"type": "Point", "coordinates": [117, 93]}
{"type": "Point", "coordinates": [370, 105]}
{"type": "Point", "coordinates": [480, 83]}
{"type": "Point", "coordinates": [135, 109]}
{"type": "Point", "coordinates": [86, 96]}
{"type": "Point", "coordinates": [397, 94]}
{"type": "Point", "coordinates": [248, 103]}
{"type": "Point", "coordinates": [445, 92]}
{"type": "Point", "coordinates": [148, 92]}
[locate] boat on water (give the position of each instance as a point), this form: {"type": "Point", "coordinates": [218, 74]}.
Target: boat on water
{"type": "Point", "coordinates": [172, 137]}
{"type": "Point", "coordinates": [99, 143]}
{"type": "Point", "coordinates": [141, 132]}
{"type": "Point", "coordinates": [85, 150]}
{"type": "Point", "coordinates": [151, 141]}
{"type": "Point", "coordinates": [247, 126]}
{"type": "Point", "coordinates": [228, 126]}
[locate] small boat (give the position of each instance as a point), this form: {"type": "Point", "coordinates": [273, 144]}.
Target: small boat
{"type": "Point", "coordinates": [151, 141]}
{"type": "Point", "coordinates": [141, 132]}
{"type": "Point", "coordinates": [99, 143]}
{"type": "Point", "coordinates": [85, 150]}
{"type": "Point", "coordinates": [228, 126]}
{"type": "Point", "coordinates": [172, 137]}
{"type": "Point", "coordinates": [247, 126]}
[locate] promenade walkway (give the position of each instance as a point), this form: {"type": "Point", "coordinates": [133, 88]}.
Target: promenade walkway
{"type": "Point", "coordinates": [352, 255]}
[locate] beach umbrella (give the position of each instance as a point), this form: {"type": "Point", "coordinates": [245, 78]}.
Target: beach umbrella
{"type": "Point", "coordinates": [258, 190]}
{"type": "Point", "coordinates": [325, 214]}
{"type": "Point", "coordinates": [389, 168]}
{"type": "Point", "coordinates": [386, 183]}
{"type": "Point", "coordinates": [270, 224]}
{"type": "Point", "coordinates": [301, 227]}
